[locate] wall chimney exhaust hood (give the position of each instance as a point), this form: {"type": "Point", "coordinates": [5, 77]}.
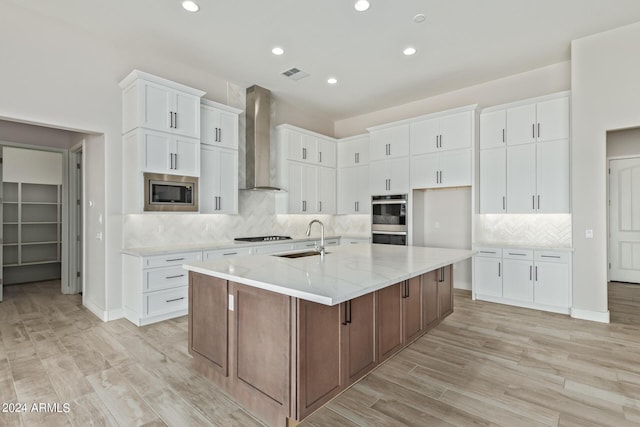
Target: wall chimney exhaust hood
{"type": "Point", "coordinates": [258, 135]}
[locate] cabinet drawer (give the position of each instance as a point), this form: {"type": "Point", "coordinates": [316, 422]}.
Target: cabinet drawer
{"type": "Point", "coordinates": [272, 249]}
{"type": "Point", "coordinates": [171, 259]}
{"type": "Point", "coordinates": [220, 253]}
{"type": "Point", "coordinates": [161, 302]}
{"type": "Point", "coordinates": [164, 278]}
{"type": "Point", "coordinates": [306, 245]}
{"type": "Point", "coordinates": [489, 252]}
{"type": "Point", "coordinates": [526, 254]}
{"type": "Point", "coordinates": [551, 256]}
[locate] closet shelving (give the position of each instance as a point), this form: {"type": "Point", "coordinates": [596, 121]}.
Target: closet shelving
{"type": "Point", "coordinates": [31, 232]}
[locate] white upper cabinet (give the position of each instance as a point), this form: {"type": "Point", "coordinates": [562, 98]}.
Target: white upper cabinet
{"type": "Point", "coordinates": [354, 193]}
{"type": "Point", "coordinates": [326, 152]}
{"type": "Point", "coordinates": [389, 142]}
{"type": "Point", "coordinates": [446, 169]}
{"type": "Point", "coordinates": [219, 124]}
{"type": "Point", "coordinates": [218, 180]}
{"type": "Point", "coordinates": [552, 176]}
{"type": "Point", "coordinates": [301, 145]}
{"type": "Point", "coordinates": [353, 151]}
{"type": "Point", "coordinates": [493, 129]}
{"type": "Point", "coordinates": [449, 132]}
{"type": "Point", "coordinates": [159, 104]}
{"type": "Point", "coordinates": [521, 179]}
{"type": "Point", "coordinates": [326, 190]}
{"type": "Point", "coordinates": [546, 120]}
{"type": "Point", "coordinates": [390, 176]}
{"type": "Point", "coordinates": [165, 153]}
{"type": "Point", "coordinates": [493, 181]}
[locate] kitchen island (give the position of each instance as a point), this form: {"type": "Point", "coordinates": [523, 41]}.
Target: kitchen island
{"type": "Point", "coordinates": [285, 335]}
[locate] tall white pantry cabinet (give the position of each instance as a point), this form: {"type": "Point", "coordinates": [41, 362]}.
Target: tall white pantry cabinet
{"type": "Point", "coordinates": [524, 168]}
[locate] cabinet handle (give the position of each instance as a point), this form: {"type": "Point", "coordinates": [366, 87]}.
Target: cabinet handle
{"type": "Point", "coordinates": [504, 203]}
{"type": "Point", "coordinates": [219, 134]}
{"type": "Point", "coordinates": [175, 120]}
{"type": "Point", "coordinates": [217, 206]}
{"type": "Point", "coordinates": [550, 256]}
{"type": "Point", "coordinates": [175, 161]}
{"type": "Point", "coordinates": [533, 202]}
{"type": "Point", "coordinates": [487, 252]}
{"type": "Point", "coordinates": [533, 130]}
{"type": "Point", "coordinates": [174, 259]}
{"type": "Point", "coordinates": [171, 119]}
{"type": "Point", "coordinates": [320, 206]}
{"type": "Point", "coordinates": [502, 135]}
{"type": "Point", "coordinates": [538, 130]}
{"type": "Point", "coordinates": [170, 160]}
{"type": "Point", "coordinates": [319, 156]}
{"type": "Point", "coordinates": [440, 177]}
{"type": "Point", "coordinates": [515, 253]}
{"type": "Point", "coordinates": [499, 269]}
{"type": "Point", "coordinates": [230, 253]}
{"type": "Point", "coordinates": [355, 206]}
{"type": "Point", "coordinates": [349, 320]}
{"type": "Point", "coordinates": [304, 206]}
{"type": "Point", "coordinates": [344, 322]}
{"type": "Point", "coordinates": [357, 157]}
{"type": "Point", "coordinates": [304, 153]}
{"type": "Point", "coordinates": [175, 299]}
{"type": "Point", "coordinates": [538, 202]}
{"type": "Point", "coordinates": [530, 272]}
{"type": "Point", "coordinates": [174, 277]}
{"type": "Point", "coordinates": [440, 141]}
{"type": "Point", "coordinates": [536, 273]}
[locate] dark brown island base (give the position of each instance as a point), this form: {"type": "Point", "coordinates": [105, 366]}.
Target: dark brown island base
{"type": "Point", "coordinates": [283, 357]}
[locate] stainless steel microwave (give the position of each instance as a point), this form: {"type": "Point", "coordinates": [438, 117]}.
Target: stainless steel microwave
{"type": "Point", "coordinates": [170, 193]}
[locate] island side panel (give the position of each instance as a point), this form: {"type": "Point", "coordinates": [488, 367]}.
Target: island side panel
{"type": "Point", "coordinates": [445, 292]}
{"type": "Point", "coordinates": [260, 326]}
{"type": "Point", "coordinates": [430, 303]}
{"type": "Point", "coordinates": [359, 345]}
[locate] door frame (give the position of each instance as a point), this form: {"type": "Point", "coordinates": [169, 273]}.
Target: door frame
{"type": "Point", "coordinates": [76, 224]}
{"type": "Point", "coordinates": [64, 249]}
{"type": "Point", "coordinates": [609, 159]}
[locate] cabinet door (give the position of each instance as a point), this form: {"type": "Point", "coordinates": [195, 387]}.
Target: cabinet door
{"type": "Point", "coordinates": [362, 190]}
{"type": "Point", "coordinates": [209, 185]}
{"type": "Point", "coordinates": [487, 276]}
{"type": "Point", "coordinates": [354, 152]}
{"type": "Point", "coordinates": [156, 151]}
{"type": "Point", "coordinates": [228, 130]}
{"type": "Point", "coordinates": [430, 300]}
{"type": "Point", "coordinates": [228, 202]}
{"type": "Point", "coordinates": [209, 124]}
{"type": "Point", "coordinates": [302, 147]}
{"type": "Point", "coordinates": [412, 309]}
{"type": "Point", "coordinates": [358, 345]}
{"type": "Point", "coordinates": [455, 168]}
{"type": "Point", "coordinates": [208, 319]}
{"type": "Point", "coordinates": [319, 375]}
{"type": "Point", "coordinates": [380, 174]}
{"type": "Point", "coordinates": [553, 119]}
{"type": "Point", "coordinates": [326, 153]}
{"type": "Point", "coordinates": [552, 176]}
{"type": "Point", "coordinates": [389, 320]}
{"type": "Point", "coordinates": [390, 142]}
{"type": "Point", "coordinates": [424, 136]}
{"type": "Point", "coordinates": [399, 181]}
{"type": "Point", "coordinates": [551, 284]}
{"type": "Point", "coordinates": [346, 190]}
{"type": "Point", "coordinates": [493, 180]}
{"type": "Point", "coordinates": [521, 179]}
{"type": "Point", "coordinates": [157, 106]}
{"type": "Point", "coordinates": [326, 190]}
{"type": "Point", "coordinates": [296, 187]}
{"type": "Point", "coordinates": [518, 280]}
{"type": "Point", "coordinates": [425, 170]}
{"type": "Point", "coordinates": [455, 131]}
{"type": "Point", "coordinates": [187, 156]}
{"type": "Point", "coordinates": [493, 127]}
{"type": "Point", "coordinates": [521, 124]}
{"type": "Point", "coordinates": [445, 292]}
{"type": "Point", "coordinates": [310, 189]}
{"type": "Point", "coordinates": [187, 115]}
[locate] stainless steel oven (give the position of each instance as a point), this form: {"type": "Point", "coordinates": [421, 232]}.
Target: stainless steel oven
{"type": "Point", "coordinates": [170, 193]}
{"type": "Point", "coordinates": [389, 219]}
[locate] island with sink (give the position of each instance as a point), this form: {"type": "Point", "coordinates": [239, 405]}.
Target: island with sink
{"type": "Point", "coordinates": [285, 333]}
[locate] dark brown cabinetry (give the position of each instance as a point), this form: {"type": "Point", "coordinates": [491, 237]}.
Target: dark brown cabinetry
{"type": "Point", "coordinates": [359, 337]}
{"type": "Point", "coordinates": [445, 291]}
{"type": "Point", "coordinates": [430, 315]}
{"type": "Point", "coordinates": [412, 309]}
{"type": "Point", "coordinates": [389, 320]}
{"type": "Point", "coordinates": [208, 329]}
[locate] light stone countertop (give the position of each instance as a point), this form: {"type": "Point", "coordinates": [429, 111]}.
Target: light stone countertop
{"type": "Point", "coordinates": [229, 244]}
{"type": "Point", "coordinates": [346, 272]}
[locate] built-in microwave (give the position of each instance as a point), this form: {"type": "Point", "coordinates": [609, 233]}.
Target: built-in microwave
{"type": "Point", "coordinates": [170, 193]}
{"type": "Point", "coordinates": [389, 219]}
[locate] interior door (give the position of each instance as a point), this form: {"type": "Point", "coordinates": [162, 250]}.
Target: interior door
{"type": "Point", "coordinates": [624, 220]}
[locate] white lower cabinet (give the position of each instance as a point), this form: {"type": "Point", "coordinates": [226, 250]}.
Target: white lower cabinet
{"type": "Point", "coordinates": [539, 279]}
{"type": "Point", "coordinates": [221, 253]}
{"type": "Point", "coordinates": [354, 240]}
{"type": "Point", "coordinates": [155, 287]}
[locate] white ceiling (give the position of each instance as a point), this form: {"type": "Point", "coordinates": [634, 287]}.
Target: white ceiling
{"type": "Point", "coordinates": [461, 43]}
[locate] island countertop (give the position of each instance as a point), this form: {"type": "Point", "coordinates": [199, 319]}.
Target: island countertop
{"type": "Point", "coordinates": [345, 273]}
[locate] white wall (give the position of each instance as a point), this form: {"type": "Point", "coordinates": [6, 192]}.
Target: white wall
{"type": "Point", "coordinates": [606, 87]}
{"type": "Point", "coordinates": [32, 166]}
{"type": "Point", "coordinates": [541, 81]}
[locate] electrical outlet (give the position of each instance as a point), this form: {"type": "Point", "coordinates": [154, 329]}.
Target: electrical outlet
{"type": "Point", "coordinates": [589, 234]}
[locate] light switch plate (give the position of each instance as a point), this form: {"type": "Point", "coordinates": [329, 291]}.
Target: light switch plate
{"type": "Point", "coordinates": [589, 234]}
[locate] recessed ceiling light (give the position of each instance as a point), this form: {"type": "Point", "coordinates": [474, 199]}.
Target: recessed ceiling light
{"type": "Point", "coordinates": [419, 18]}
{"type": "Point", "coordinates": [361, 5]}
{"type": "Point", "coordinates": [332, 80]}
{"type": "Point", "coordinates": [409, 51]}
{"type": "Point", "coordinates": [277, 51]}
{"type": "Point", "coordinates": [190, 6]}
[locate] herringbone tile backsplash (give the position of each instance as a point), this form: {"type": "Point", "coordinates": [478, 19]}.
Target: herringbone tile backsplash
{"type": "Point", "coordinates": [548, 230]}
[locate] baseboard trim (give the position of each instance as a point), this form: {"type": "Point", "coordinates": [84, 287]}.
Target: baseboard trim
{"type": "Point", "coordinates": [115, 314]}
{"type": "Point", "coordinates": [594, 316]}
{"type": "Point", "coordinates": [99, 313]}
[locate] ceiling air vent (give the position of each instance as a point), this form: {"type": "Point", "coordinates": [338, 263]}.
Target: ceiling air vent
{"type": "Point", "coordinates": [295, 74]}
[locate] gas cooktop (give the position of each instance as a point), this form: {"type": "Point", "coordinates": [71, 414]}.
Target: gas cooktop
{"type": "Point", "coordinates": [261, 238]}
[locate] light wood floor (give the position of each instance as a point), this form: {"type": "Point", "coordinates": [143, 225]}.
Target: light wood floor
{"type": "Point", "coordinates": [486, 364]}
{"type": "Point", "coordinates": [624, 303]}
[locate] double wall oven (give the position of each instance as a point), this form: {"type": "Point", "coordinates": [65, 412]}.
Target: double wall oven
{"type": "Point", "coordinates": [389, 219]}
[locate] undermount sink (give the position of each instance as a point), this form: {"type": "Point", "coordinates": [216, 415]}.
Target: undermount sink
{"type": "Point", "coordinates": [300, 254]}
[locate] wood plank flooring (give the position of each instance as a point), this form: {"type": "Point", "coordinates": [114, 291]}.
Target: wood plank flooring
{"type": "Point", "coordinates": [486, 364]}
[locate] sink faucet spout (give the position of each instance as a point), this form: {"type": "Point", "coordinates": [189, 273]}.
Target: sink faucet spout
{"type": "Point", "coordinates": [321, 248]}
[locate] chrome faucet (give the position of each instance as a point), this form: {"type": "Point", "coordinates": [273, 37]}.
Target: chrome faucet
{"type": "Point", "coordinates": [321, 248]}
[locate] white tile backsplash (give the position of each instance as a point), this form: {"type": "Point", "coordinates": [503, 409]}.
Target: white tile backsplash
{"type": "Point", "coordinates": [256, 217]}
{"type": "Point", "coordinates": [545, 230]}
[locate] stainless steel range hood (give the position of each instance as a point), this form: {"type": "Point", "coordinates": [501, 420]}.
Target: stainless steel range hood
{"type": "Point", "coordinates": [258, 135]}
